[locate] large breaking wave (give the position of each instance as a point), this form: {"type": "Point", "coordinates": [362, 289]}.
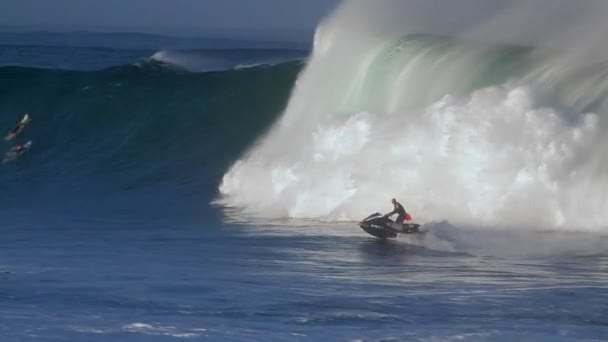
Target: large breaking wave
{"type": "Point", "coordinates": [498, 125]}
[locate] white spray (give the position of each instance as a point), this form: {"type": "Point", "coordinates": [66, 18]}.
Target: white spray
{"type": "Point", "coordinates": [378, 114]}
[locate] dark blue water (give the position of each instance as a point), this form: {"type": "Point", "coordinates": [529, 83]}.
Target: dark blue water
{"type": "Point", "coordinates": [109, 234]}
{"type": "Point", "coordinates": [132, 279]}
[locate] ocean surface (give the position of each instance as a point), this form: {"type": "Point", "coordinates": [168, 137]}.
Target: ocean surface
{"type": "Point", "coordinates": [213, 192]}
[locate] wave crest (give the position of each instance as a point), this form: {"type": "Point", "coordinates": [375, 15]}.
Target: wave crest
{"type": "Point", "coordinates": [469, 132]}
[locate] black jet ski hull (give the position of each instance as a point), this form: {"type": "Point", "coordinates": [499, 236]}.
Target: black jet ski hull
{"type": "Point", "coordinates": [381, 233]}
{"type": "Point", "coordinates": [384, 228]}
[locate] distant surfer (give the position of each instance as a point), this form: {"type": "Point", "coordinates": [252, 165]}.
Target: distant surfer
{"type": "Point", "coordinates": [20, 148]}
{"type": "Point", "coordinates": [16, 151]}
{"type": "Point", "coordinates": [19, 125]}
{"type": "Point", "coordinates": [398, 209]}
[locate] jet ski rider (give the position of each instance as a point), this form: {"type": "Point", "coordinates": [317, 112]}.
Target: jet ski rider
{"type": "Point", "coordinates": [398, 209]}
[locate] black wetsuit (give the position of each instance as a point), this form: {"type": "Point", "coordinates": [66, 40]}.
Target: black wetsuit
{"type": "Point", "coordinates": [398, 210]}
{"type": "Point", "coordinates": [16, 129]}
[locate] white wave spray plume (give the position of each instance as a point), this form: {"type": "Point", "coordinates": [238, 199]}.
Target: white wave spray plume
{"type": "Point", "coordinates": [474, 129]}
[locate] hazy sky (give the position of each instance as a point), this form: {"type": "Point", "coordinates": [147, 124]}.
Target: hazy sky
{"type": "Point", "coordinates": [188, 16]}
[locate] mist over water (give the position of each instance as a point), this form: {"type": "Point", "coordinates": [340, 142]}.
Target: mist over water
{"type": "Point", "coordinates": [489, 121]}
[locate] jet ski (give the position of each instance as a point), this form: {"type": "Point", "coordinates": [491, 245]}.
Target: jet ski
{"type": "Point", "coordinates": [383, 227]}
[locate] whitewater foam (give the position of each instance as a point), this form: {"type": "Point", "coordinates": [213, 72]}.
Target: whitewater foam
{"type": "Point", "coordinates": [476, 161]}
{"type": "Point", "coordinates": [189, 60]}
{"type": "Point", "coordinates": [465, 132]}
{"type": "Point", "coordinates": [218, 60]}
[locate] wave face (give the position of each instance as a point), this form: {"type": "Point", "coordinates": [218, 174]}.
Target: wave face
{"type": "Point", "coordinates": [96, 58]}
{"type": "Point", "coordinates": [121, 132]}
{"type": "Point", "coordinates": [505, 134]}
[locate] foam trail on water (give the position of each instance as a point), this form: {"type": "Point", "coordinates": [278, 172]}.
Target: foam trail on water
{"type": "Point", "coordinates": [459, 129]}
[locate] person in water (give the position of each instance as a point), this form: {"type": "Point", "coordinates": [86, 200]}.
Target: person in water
{"type": "Point", "coordinates": [398, 209]}
{"type": "Point", "coordinates": [17, 148]}
{"type": "Point", "coordinates": [18, 125]}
